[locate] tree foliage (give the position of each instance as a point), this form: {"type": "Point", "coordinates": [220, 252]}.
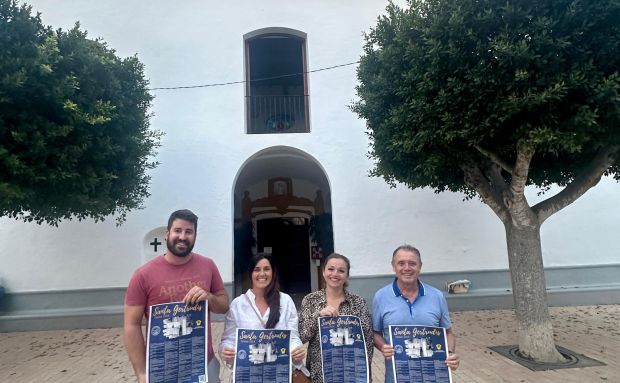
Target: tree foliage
{"type": "Point", "coordinates": [74, 123]}
{"type": "Point", "coordinates": [487, 97]}
{"type": "Point", "coordinates": [452, 87]}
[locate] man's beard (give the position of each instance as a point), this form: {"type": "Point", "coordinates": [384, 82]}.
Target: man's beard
{"type": "Point", "coordinates": [179, 253]}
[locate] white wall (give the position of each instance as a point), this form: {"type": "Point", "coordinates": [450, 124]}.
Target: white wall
{"type": "Point", "coordinates": [198, 42]}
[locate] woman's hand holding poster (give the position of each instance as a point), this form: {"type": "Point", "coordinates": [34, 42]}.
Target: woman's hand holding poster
{"type": "Point", "coordinates": [343, 350]}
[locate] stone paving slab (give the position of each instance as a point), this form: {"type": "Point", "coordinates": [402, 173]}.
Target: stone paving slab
{"type": "Point", "coordinates": [98, 355]}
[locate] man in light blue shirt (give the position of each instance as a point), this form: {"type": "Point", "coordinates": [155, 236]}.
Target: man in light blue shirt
{"type": "Point", "coordinates": [407, 301]}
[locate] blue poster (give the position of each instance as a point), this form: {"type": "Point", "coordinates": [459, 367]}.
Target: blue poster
{"type": "Point", "coordinates": [176, 346]}
{"type": "Point", "coordinates": [419, 354]}
{"type": "Point", "coordinates": [262, 356]}
{"type": "Point", "coordinates": [343, 350]}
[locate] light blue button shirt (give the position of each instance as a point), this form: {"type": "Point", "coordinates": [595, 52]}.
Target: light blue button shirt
{"type": "Point", "coordinates": [390, 307]}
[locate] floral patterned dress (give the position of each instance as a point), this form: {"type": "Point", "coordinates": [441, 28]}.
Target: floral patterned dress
{"type": "Point", "coordinates": [311, 305]}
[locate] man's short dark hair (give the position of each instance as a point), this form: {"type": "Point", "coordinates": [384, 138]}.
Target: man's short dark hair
{"type": "Point", "coordinates": [407, 248]}
{"type": "Point", "coordinates": [186, 215]}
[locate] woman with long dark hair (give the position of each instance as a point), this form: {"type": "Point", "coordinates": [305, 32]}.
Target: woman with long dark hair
{"type": "Point", "coordinates": [263, 306]}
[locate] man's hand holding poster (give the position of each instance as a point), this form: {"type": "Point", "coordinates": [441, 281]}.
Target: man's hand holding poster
{"type": "Point", "coordinates": [420, 353]}
{"type": "Point", "coordinates": [177, 343]}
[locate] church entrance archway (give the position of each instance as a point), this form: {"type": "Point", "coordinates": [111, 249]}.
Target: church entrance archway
{"type": "Point", "coordinates": [282, 207]}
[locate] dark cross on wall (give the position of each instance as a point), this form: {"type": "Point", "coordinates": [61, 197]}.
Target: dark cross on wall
{"type": "Point", "coordinates": [155, 243]}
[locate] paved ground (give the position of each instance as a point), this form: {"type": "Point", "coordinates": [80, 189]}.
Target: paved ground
{"type": "Point", "coordinates": [98, 355]}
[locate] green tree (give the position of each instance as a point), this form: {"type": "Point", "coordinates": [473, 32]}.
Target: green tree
{"type": "Point", "coordinates": [74, 124]}
{"type": "Point", "coordinates": [488, 97]}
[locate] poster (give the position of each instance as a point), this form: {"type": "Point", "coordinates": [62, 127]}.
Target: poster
{"type": "Point", "coordinates": [262, 356]}
{"type": "Point", "coordinates": [176, 346]}
{"type": "Point", "coordinates": [343, 350]}
{"type": "Point", "coordinates": [419, 354]}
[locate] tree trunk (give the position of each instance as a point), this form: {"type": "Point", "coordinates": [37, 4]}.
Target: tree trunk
{"type": "Point", "coordinates": [529, 293]}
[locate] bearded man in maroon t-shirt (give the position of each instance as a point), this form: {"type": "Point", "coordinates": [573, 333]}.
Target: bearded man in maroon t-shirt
{"type": "Point", "coordinates": [178, 275]}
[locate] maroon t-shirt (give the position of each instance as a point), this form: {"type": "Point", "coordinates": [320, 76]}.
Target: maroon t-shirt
{"type": "Point", "coordinates": [158, 281]}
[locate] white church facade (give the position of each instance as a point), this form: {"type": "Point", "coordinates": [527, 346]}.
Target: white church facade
{"type": "Point", "coordinates": [270, 158]}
